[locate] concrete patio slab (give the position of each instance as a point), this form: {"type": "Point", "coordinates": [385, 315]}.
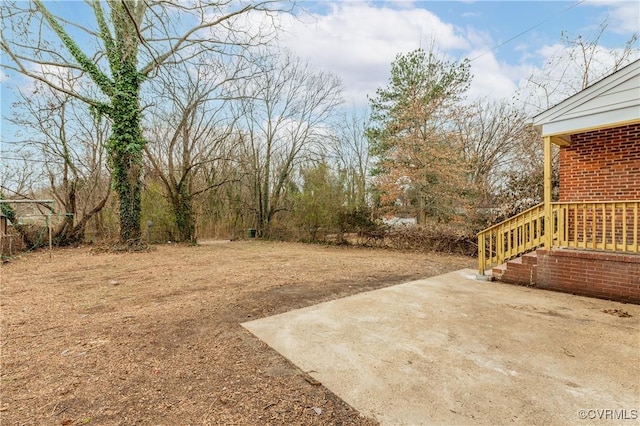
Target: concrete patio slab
{"type": "Point", "coordinates": [453, 350]}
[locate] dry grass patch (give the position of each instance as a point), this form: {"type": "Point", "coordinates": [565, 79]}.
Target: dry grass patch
{"type": "Point", "coordinates": [154, 337]}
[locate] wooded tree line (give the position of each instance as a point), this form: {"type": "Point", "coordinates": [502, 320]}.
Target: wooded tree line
{"type": "Point", "coordinates": [185, 121]}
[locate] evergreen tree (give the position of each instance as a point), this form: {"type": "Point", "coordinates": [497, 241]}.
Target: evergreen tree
{"type": "Point", "coordinates": [417, 160]}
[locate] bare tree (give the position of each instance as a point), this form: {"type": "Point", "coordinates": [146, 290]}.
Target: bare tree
{"type": "Point", "coordinates": [18, 176]}
{"type": "Point", "coordinates": [127, 44]}
{"type": "Point", "coordinates": [190, 136]}
{"type": "Point", "coordinates": [69, 144]}
{"type": "Point", "coordinates": [350, 150]}
{"type": "Point", "coordinates": [18, 172]}
{"type": "Point", "coordinates": [579, 62]}
{"type": "Point", "coordinates": [522, 183]}
{"type": "Point", "coordinates": [284, 117]}
{"type": "Point", "coordinates": [490, 133]}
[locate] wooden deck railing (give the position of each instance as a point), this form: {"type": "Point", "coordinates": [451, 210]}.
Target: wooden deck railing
{"type": "Point", "coordinates": [607, 226]}
{"type": "Point", "coordinates": [511, 238]}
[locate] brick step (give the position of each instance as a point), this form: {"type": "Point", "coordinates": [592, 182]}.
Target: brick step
{"type": "Point", "coordinates": [521, 270]}
{"type": "Point", "coordinates": [530, 258]}
{"type": "Point", "coordinates": [498, 271]}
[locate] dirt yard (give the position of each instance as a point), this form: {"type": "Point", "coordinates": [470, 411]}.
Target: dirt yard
{"type": "Point", "coordinates": [154, 338]}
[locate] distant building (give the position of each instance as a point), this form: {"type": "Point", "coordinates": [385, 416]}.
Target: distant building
{"type": "Point", "coordinates": [399, 221]}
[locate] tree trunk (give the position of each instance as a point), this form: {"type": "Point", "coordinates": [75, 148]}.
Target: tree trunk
{"type": "Point", "coordinates": [184, 217]}
{"type": "Point", "coordinates": [126, 179]}
{"type": "Point", "coordinates": [68, 233]}
{"type": "Point", "coordinates": [125, 152]}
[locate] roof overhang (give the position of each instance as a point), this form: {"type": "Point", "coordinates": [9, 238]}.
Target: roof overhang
{"type": "Point", "coordinates": [611, 102]}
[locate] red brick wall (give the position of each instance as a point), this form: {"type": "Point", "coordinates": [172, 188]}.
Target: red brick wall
{"type": "Point", "coordinates": [601, 165]}
{"type": "Point", "coordinates": [603, 275]}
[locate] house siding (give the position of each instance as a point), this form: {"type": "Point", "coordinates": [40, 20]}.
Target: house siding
{"type": "Point", "coordinates": [601, 165]}
{"type": "Point", "coordinates": [612, 101]}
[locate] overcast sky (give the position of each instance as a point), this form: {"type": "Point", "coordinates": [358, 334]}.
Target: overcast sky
{"type": "Point", "coordinates": [506, 40]}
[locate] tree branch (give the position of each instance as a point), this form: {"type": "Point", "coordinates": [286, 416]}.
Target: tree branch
{"type": "Point", "coordinates": [23, 70]}
{"type": "Point", "coordinates": [157, 62]}
{"type": "Point", "coordinates": [101, 80]}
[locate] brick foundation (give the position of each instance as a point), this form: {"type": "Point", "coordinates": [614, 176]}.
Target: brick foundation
{"type": "Point", "coordinates": [595, 274]}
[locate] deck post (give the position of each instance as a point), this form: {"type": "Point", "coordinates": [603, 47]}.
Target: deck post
{"type": "Point", "coordinates": [481, 254]}
{"type": "Point", "coordinates": [548, 211]}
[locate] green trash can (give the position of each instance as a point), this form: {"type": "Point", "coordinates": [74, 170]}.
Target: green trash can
{"type": "Point", "coordinates": [251, 233]}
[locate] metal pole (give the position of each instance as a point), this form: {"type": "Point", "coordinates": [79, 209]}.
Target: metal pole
{"type": "Point", "coordinates": [49, 226]}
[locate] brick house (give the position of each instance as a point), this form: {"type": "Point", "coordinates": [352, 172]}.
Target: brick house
{"type": "Point", "coordinates": [587, 242]}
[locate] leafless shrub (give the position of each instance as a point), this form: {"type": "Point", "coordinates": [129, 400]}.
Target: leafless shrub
{"type": "Point", "coordinates": [422, 239]}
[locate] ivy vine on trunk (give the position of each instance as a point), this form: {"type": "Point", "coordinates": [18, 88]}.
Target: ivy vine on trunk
{"type": "Point", "coordinates": [124, 148]}
{"type": "Point", "coordinates": [105, 56]}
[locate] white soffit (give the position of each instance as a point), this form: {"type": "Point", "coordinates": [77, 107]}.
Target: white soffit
{"type": "Point", "coordinates": [613, 100]}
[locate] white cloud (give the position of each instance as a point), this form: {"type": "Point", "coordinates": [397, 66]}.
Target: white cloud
{"type": "Point", "coordinates": [624, 15]}
{"type": "Point", "coordinates": [58, 75]}
{"type": "Point", "coordinates": [471, 15]}
{"type": "Point", "coordinates": [479, 40]}
{"type": "Point", "coordinates": [491, 79]}
{"type": "Point", "coordinates": [358, 41]}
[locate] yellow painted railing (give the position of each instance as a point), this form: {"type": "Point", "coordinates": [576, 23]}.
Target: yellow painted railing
{"type": "Point", "coordinates": [607, 226]}
{"type": "Point", "coordinates": [511, 238]}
